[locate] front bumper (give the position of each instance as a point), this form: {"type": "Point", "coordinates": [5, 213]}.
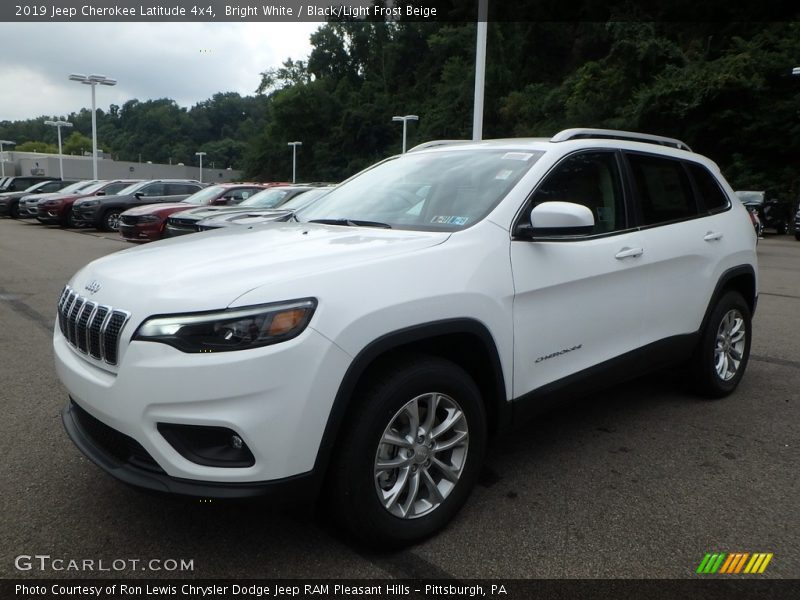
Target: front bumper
{"type": "Point", "coordinates": [174, 230]}
{"type": "Point", "coordinates": [276, 398]}
{"type": "Point", "coordinates": [140, 232]}
{"type": "Point", "coordinates": [125, 459]}
{"type": "Point", "coordinates": [87, 215]}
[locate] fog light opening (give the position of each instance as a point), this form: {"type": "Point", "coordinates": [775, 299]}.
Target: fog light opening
{"type": "Point", "coordinates": [208, 446]}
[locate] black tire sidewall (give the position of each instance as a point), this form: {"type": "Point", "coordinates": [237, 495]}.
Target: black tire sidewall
{"type": "Point", "coordinates": [711, 385]}
{"type": "Point", "coordinates": [359, 506]}
{"type": "Point", "coordinates": [13, 210]}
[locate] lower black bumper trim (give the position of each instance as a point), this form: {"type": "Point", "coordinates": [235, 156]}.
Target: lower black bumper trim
{"type": "Point", "coordinates": [298, 488]}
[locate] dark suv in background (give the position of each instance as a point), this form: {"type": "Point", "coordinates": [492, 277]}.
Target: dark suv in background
{"type": "Point", "coordinates": [23, 182]}
{"type": "Point", "coordinates": [9, 199]}
{"type": "Point", "coordinates": [103, 213]}
{"type": "Point", "coordinates": [57, 209]}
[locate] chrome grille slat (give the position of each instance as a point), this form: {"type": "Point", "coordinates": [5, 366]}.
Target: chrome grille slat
{"type": "Point", "coordinates": [91, 328]}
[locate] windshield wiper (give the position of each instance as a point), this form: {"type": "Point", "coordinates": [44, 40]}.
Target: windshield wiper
{"type": "Point", "coordinates": [351, 223]}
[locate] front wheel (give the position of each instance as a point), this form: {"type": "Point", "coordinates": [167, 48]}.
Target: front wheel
{"type": "Point", "coordinates": [13, 210]}
{"type": "Point", "coordinates": [721, 356]}
{"type": "Point", "coordinates": [410, 453]}
{"type": "Point", "coordinates": [111, 220]}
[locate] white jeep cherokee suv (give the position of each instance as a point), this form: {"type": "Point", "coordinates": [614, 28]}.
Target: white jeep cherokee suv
{"type": "Point", "coordinates": [371, 346]}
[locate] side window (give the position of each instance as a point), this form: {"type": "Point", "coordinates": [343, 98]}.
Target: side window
{"type": "Point", "coordinates": [53, 186]}
{"type": "Point", "coordinates": [176, 189]}
{"type": "Point", "coordinates": [591, 179]}
{"type": "Point", "coordinates": [154, 189]}
{"type": "Point", "coordinates": [665, 193]}
{"type": "Point", "coordinates": [713, 197]}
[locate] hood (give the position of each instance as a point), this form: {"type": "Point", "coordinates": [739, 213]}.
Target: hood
{"type": "Point", "coordinates": [154, 209]}
{"type": "Point", "coordinates": [212, 211]}
{"type": "Point", "coordinates": [243, 218]}
{"type": "Point", "coordinates": [210, 270]}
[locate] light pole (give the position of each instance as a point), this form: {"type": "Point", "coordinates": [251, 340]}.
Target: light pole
{"type": "Point", "coordinates": [3, 156]}
{"type": "Point", "coordinates": [201, 155]}
{"type": "Point", "coordinates": [294, 146]}
{"type": "Point", "coordinates": [58, 125]}
{"type": "Point", "coordinates": [93, 80]}
{"type": "Point", "coordinates": [480, 70]}
{"type": "Point", "coordinates": [405, 121]}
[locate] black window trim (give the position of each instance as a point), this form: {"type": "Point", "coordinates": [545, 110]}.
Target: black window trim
{"type": "Point", "coordinates": [525, 208]}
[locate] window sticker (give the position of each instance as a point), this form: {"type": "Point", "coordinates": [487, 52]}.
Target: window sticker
{"type": "Point", "coordinates": [450, 220]}
{"type": "Point", "coordinates": [504, 174]}
{"type": "Point", "coordinates": [517, 156]}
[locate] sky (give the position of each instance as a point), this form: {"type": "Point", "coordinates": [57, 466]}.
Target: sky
{"type": "Point", "coordinates": [187, 62]}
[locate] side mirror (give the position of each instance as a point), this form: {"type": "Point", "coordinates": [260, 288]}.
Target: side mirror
{"type": "Point", "coordinates": [138, 194]}
{"type": "Point", "coordinates": [100, 193]}
{"type": "Point", "coordinates": [556, 219]}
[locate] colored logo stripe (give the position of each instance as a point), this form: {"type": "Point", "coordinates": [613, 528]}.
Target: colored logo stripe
{"type": "Point", "coordinates": [735, 562]}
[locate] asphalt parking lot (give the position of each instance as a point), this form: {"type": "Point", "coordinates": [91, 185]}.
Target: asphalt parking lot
{"type": "Point", "coordinates": [638, 481]}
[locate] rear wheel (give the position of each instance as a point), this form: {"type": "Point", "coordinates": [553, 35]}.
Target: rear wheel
{"type": "Point", "coordinates": [410, 454]}
{"type": "Point", "coordinates": [13, 210]}
{"type": "Point", "coordinates": [724, 348]}
{"type": "Point", "coordinates": [111, 220]}
{"type": "Point", "coordinates": [783, 228]}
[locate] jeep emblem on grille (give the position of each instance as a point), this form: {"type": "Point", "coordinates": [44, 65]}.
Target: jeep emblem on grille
{"type": "Point", "coordinates": [92, 287]}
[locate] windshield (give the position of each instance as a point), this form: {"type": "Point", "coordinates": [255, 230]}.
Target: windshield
{"type": "Point", "coordinates": [432, 191]}
{"type": "Point", "coordinates": [91, 189]}
{"type": "Point", "coordinates": [266, 199]}
{"type": "Point", "coordinates": [204, 196]}
{"type": "Point", "coordinates": [74, 187]}
{"type": "Point", "coordinates": [115, 188]}
{"type": "Point", "coordinates": [305, 199]}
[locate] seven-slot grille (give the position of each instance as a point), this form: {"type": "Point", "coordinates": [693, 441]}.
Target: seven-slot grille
{"type": "Point", "coordinates": [90, 327]}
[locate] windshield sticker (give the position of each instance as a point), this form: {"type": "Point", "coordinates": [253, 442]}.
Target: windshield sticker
{"type": "Point", "coordinates": [448, 220]}
{"type": "Point", "coordinates": [504, 174]}
{"type": "Point", "coordinates": [517, 156]}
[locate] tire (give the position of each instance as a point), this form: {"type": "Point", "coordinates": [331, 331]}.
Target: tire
{"type": "Point", "coordinates": [782, 228]}
{"type": "Point", "coordinates": [13, 210]}
{"type": "Point", "coordinates": [797, 235]}
{"type": "Point", "coordinates": [110, 220]}
{"type": "Point", "coordinates": [728, 334]}
{"type": "Point", "coordinates": [390, 494]}
{"type": "Point", "coordinates": [69, 220]}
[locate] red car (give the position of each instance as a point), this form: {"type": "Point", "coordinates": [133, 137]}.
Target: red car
{"type": "Point", "coordinates": [57, 210]}
{"type": "Point", "coordinates": [146, 223]}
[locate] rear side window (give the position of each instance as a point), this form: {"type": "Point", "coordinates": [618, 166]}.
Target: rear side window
{"type": "Point", "coordinates": [665, 193]}
{"type": "Point", "coordinates": [591, 179]}
{"type": "Point", "coordinates": [712, 196]}
{"type": "Point", "coordinates": [177, 189]}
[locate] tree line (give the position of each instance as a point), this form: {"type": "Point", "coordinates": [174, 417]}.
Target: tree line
{"type": "Point", "coordinates": [725, 89]}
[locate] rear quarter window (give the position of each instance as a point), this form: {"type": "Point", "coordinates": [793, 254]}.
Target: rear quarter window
{"type": "Point", "coordinates": [711, 195]}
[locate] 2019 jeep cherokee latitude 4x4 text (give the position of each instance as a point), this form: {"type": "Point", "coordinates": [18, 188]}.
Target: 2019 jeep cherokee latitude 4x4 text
{"type": "Point", "coordinates": [373, 345]}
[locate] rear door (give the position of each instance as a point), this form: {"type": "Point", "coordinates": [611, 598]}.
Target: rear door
{"type": "Point", "coordinates": [683, 244]}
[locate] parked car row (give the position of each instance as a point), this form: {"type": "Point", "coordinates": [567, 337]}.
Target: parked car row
{"type": "Point", "coordinates": [145, 210]}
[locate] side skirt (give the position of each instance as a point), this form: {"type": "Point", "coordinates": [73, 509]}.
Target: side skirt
{"type": "Point", "coordinates": [653, 357]}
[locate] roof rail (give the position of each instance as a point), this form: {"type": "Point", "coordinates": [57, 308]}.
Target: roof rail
{"type": "Point", "coordinates": [435, 143]}
{"type": "Point", "coordinates": [613, 134]}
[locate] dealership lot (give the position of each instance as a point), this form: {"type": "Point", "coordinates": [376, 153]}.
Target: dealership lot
{"type": "Point", "coordinates": [640, 480]}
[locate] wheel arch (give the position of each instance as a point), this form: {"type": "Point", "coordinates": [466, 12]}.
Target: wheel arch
{"type": "Point", "coordinates": [740, 279]}
{"type": "Point", "coordinates": [466, 342]}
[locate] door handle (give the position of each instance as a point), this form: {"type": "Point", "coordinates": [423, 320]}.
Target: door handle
{"type": "Point", "coordinates": [629, 253]}
{"type": "Point", "coordinates": [712, 236]}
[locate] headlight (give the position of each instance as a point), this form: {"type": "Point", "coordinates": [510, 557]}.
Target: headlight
{"type": "Point", "coordinates": [88, 203]}
{"type": "Point", "coordinates": [233, 329]}
{"type": "Point", "coordinates": [147, 219]}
